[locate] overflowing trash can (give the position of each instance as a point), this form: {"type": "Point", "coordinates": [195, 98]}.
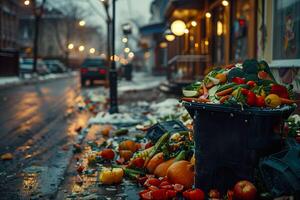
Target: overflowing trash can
{"type": "Point", "coordinates": [229, 141]}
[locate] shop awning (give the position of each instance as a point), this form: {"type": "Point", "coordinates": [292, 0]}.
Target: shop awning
{"type": "Point", "coordinates": [153, 29]}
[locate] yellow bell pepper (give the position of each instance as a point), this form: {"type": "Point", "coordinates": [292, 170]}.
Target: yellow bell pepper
{"type": "Point", "coordinates": [273, 100]}
{"type": "Point", "coordinates": [111, 176]}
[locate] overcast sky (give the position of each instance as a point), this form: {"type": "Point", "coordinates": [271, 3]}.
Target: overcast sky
{"type": "Point", "coordinates": [126, 11]}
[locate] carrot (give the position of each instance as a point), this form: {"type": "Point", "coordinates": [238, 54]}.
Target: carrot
{"type": "Point", "coordinates": [225, 92]}
{"type": "Point", "coordinates": [224, 98]}
{"type": "Point", "coordinates": [287, 101]}
{"type": "Point", "coordinates": [198, 100]}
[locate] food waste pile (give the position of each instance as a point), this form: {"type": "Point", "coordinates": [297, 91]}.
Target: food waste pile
{"type": "Point", "coordinates": [120, 155]}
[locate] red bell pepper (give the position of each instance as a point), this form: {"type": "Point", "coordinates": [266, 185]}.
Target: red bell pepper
{"type": "Point", "coordinates": [238, 80]}
{"type": "Point", "coordinates": [280, 90]}
{"type": "Point", "coordinates": [159, 194]}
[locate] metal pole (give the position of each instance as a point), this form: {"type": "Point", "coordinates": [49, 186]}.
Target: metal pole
{"type": "Point", "coordinates": [113, 73]}
{"type": "Point", "coordinates": [36, 36]}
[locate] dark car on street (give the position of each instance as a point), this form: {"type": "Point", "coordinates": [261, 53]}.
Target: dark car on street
{"type": "Point", "coordinates": [94, 69]}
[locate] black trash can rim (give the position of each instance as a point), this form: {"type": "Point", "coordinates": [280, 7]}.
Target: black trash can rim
{"type": "Point", "coordinates": [284, 110]}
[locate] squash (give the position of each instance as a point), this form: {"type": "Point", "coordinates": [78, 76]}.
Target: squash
{"type": "Point", "coordinates": [162, 168]}
{"type": "Point", "coordinates": [181, 172]}
{"type": "Point", "coordinates": [155, 161]}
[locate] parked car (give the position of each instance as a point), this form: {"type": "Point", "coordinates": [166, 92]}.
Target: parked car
{"type": "Point", "coordinates": [26, 67]}
{"type": "Point", "coordinates": [55, 66]}
{"type": "Point", "coordinates": [93, 69]}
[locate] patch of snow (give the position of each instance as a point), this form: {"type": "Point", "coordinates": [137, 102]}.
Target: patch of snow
{"type": "Point", "coordinates": [116, 118]}
{"type": "Point", "coordinates": [9, 80]}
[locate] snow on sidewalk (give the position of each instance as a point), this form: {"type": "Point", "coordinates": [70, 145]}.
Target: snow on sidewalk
{"type": "Point", "coordinates": [141, 81]}
{"type": "Point", "coordinates": [9, 80]}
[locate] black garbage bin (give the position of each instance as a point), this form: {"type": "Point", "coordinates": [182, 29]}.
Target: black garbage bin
{"type": "Point", "coordinates": [229, 141]}
{"type": "Point", "coordinates": [128, 72]}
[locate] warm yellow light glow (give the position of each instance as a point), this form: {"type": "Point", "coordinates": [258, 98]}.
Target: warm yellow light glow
{"type": "Point", "coordinates": [82, 23]}
{"type": "Point", "coordinates": [131, 55]}
{"type": "Point", "coordinates": [103, 55]}
{"type": "Point", "coordinates": [26, 2]}
{"type": "Point", "coordinates": [92, 50]}
{"type": "Point", "coordinates": [163, 45]}
{"type": "Point", "coordinates": [81, 48]}
{"type": "Point", "coordinates": [127, 50]}
{"type": "Point", "coordinates": [115, 57]}
{"type": "Point", "coordinates": [207, 15]}
{"type": "Point", "coordinates": [70, 46]}
{"type": "Point", "coordinates": [124, 40]}
{"type": "Point", "coordinates": [186, 31]}
{"type": "Point", "coordinates": [206, 42]}
{"type": "Point", "coordinates": [194, 23]}
{"type": "Point", "coordinates": [178, 27]}
{"type": "Point", "coordinates": [170, 37]}
{"type": "Point", "coordinates": [196, 45]}
{"type": "Point", "coordinates": [219, 28]}
{"type": "Point", "coordinates": [225, 3]}
{"type": "Point", "coordinates": [147, 55]}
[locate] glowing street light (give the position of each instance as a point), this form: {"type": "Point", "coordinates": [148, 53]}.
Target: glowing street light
{"type": "Point", "coordinates": [26, 2]}
{"type": "Point", "coordinates": [92, 50]}
{"type": "Point", "coordinates": [169, 36]}
{"type": "Point", "coordinates": [131, 55]}
{"type": "Point", "coordinates": [178, 27]}
{"type": "Point", "coordinates": [207, 15]}
{"type": "Point", "coordinates": [82, 23]}
{"type": "Point", "coordinates": [127, 50]}
{"type": "Point", "coordinates": [186, 31]}
{"type": "Point", "coordinates": [194, 23]}
{"type": "Point", "coordinates": [124, 39]}
{"type": "Point", "coordinates": [70, 46]}
{"type": "Point", "coordinates": [225, 3]}
{"type": "Point", "coordinates": [81, 48]}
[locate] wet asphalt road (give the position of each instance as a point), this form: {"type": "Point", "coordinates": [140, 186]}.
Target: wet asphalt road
{"type": "Point", "coordinates": [37, 124]}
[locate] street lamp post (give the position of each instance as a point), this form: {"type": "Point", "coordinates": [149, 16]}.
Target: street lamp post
{"type": "Point", "coordinates": [113, 76]}
{"type": "Point", "coordinates": [38, 11]}
{"type": "Point", "coordinates": [113, 72]}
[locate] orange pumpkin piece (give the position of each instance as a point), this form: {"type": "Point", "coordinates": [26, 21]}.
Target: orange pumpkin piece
{"type": "Point", "coordinates": [106, 130]}
{"type": "Point", "coordinates": [181, 172]}
{"type": "Point", "coordinates": [128, 145]}
{"type": "Point", "coordinates": [155, 161]}
{"type": "Point", "coordinates": [162, 168]}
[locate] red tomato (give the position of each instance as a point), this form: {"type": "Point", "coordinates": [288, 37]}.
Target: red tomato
{"type": "Point", "coordinates": [171, 194]}
{"type": "Point", "coordinates": [238, 80]}
{"type": "Point", "coordinates": [148, 145]}
{"type": "Point", "coordinates": [108, 154]}
{"type": "Point", "coordinates": [153, 188]}
{"type": "Point", "coordinates": [229, 195]}
{"type": "Point", "coordinates": [168, 187]}
{"type": "Point", "coordinates": [262, 75]}
{"type": "Point", "coordinates": [186, 194]}
{"type": "Point", "coordinates": [142, 180]}
{"type": "Point", "coordinates": [159, 194]}
{"type": "Point", "coordinates": [245, 190]}
{"type": "Point", "coordinates": [163, 183]}
{"type": "Point", "coordinates": [251, 98]}
{"type": "Point", "coordinates": [244, 91]}
{"type": "Point", "coordinates": [251, 83]}
{"type": "Point", "coordinates": [138, 162]}
{"type": "Point", "coordinates": [80, 169]}
{"type": "Point", "coordinates": [152, 181]}
{"type": "Point", "coordinates": [196, 194]}
{"type": "Point", "coordinates": [214, 194]}
{"type": "Point", "coordinates": [260, 101]}
{"type": "Point", "coordinates": [178, 187]}
{"type": "Point", "coordinates": [145, 195]}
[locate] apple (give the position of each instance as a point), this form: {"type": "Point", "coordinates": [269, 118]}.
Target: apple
{"type": "Point", "coordinates": [245, 190]}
